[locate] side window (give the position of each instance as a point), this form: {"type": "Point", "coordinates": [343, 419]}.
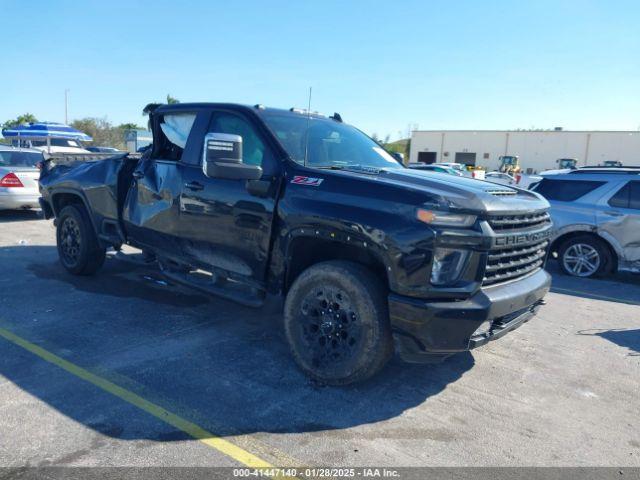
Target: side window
{"type": "Point", "coordinates": [621, 198]}
{"type": "Point", "coordinates": [634, 195]}
{"type": "Point", "coordinates": [566, 190]}
{"type": "Point", "coordinates": [175, 129]}
{"type": "Point", "coordinates": [627, 197]}
{"type": "Point", "coordinates": [254, 151]}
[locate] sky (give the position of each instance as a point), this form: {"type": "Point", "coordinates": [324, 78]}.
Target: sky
{"type": "Point", "coordinates": [385, 66]}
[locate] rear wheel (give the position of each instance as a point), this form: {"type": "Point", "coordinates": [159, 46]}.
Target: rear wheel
{"type": "Point", "coordinates": [337, 323]}
{"type": "Point", "coordinates": [585, 256]}
{"type": "Point", "coordinates": [78, 248]}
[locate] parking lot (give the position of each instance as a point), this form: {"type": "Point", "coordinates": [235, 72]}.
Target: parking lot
{"type": "Point", "coordinates": [124, 368]}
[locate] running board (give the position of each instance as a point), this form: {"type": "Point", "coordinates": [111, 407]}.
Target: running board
{"type": "Point", "coordinates": [227, 288]}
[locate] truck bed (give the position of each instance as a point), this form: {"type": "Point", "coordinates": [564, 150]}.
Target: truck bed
{"type": "Point", "coordinates": [101, 183]}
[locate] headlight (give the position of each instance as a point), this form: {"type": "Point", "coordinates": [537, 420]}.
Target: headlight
{"type": "Point", "coordinates": [447, 265]}
{"type": "Point", "coordinates": [449, 219]}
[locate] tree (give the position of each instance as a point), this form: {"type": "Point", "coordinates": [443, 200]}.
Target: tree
{"type": "Point", "coordinates": [130, 126]}
{"type": "Point", "coordinates": [25, 118]}
{"type": "Point", "coordinates": [104, 134]}
{"type": "Point", "coordinates": [171, 100]}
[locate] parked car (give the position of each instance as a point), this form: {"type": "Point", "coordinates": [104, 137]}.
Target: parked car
{"type": "Point", "coordinates": [286, 208]}
{"type": "Point", "coordinates": [501, 178]}
{"type": "Point", "coordinates": [59, 145]}
{"type": "Point", "coordinates": [103, 150]}
{"type": "Point", "coordinates": [596, 220]}
{"type": "Point", "coordinates": [49, 137]}
{"type": "Point", "coordinates": [456, 166]}
{"type": "Point", "coordinates": [19, 178]}
{"type": "Point", "coordinates": [435, 168]}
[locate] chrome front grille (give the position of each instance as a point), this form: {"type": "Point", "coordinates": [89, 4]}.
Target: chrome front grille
{"type": "Point", "coordinates": [514, 262]}
{"type": "Point", "coordinates": [520, 246]}
{"type": "Point", "coordinates": [502, 223]}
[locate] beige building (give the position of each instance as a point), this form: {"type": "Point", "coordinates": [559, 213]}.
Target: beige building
{"type": "Point", "coordinates": [538, 150]}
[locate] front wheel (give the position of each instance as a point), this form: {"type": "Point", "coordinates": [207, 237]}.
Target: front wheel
{"type": "Point", "coordinates": [337, 323]}
{"type": "Point", "coordinates": [584, 256]}
{"type": "Point", "coordinates": [78, 247]}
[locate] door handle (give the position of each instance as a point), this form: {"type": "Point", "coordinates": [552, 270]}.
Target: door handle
{"type": "Point", "coordinates": [612, 213]}
{"type": "Point", "coordinates": [194, 186]}
{"type": "Point", "coordinates": [137, 174]}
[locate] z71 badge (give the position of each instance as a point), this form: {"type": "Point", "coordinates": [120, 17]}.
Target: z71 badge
{"type": "Point", "coordinates": [309, 181]}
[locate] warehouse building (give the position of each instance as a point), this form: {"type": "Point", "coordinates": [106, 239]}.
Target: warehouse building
{"type": "Point", "coordinates": [538, 150]}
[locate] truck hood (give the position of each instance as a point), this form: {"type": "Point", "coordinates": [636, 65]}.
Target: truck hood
{"type": "Point", "coordinates": [459, 193]}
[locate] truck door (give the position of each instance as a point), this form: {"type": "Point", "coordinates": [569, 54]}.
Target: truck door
{"type": "Point", "coordinates": [226, 223]}
{"type": "Point", "coordinates": [620, 220]}
{"type": "Point", "coordinates": [151, 209]}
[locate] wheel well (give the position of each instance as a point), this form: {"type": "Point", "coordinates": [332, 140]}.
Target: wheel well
{"type": "Point", "coordinates": [304, 252]}
{"type": "Point", "coordinates": [61, 200]}
{"type": "Point", "coordinates": [555, 246]}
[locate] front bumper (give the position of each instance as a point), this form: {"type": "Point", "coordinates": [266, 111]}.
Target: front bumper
{"type": "Point", "coordinates": [427, 331]}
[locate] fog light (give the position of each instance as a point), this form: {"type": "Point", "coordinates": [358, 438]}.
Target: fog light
{"type": "Point", "coordinates": [483, 329]}
{"type": "Point", "coordinates": [447, 265]}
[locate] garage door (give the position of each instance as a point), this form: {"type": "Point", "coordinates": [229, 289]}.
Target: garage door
{"type": "Point", "coordinates": [427, 157]}
{"type": "Point", "coordinates": [466, 158]}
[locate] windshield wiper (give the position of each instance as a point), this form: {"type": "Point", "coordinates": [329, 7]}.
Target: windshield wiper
{"type": "Point", "coordinates": [331, 167]}
{"type": "Point", "coordinates": [356, 167]}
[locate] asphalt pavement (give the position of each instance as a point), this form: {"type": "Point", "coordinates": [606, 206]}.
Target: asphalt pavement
{"type": "Point", "coordinates": [125, 368]}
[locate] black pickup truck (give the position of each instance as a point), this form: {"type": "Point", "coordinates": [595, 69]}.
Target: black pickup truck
{"type": "Point", "coordinates": [286, 208]}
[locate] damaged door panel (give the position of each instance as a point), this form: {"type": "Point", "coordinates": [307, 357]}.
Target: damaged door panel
{"type": "Point", "coordinates": [619, 222]}
{"type": "Point", "coordinates": [151, 213]}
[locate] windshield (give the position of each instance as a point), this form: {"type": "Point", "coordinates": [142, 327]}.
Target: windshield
{"type": "Point", "coordinates": [19, 159]}
{"type": "Point", "coordinates": [456, 166]}
{"type": "Point", "coordinates": [331, 144]}
{"type": "Point", "coordinates": [56, 142]}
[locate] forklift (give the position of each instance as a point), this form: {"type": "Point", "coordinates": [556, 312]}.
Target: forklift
{"type": "Point", "coordinates": [567, 163]}
{"type": "Point", "coordinates": [509, 164]}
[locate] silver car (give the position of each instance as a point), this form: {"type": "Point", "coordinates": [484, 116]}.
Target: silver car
{"type": "Point", "coordinates": [596, 217]}
{"type": "Point", "coordinates": [19, 178]}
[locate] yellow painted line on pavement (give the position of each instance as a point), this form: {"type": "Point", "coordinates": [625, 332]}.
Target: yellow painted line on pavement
{"type": "Point", "coordinates": [595, 296]}
{"type": "Point", "coordinates": [223, 446]}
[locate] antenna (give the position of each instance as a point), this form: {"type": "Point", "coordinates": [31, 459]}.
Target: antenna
{"type": "Point", "coordinates": [66, 106]}
{"type": "Point", "coordinates": [306, 136]}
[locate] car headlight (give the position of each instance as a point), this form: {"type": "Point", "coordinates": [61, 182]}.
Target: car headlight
{"type": "Point", "coordinates": [447, 265]}
{"type": "Point", "coordinates": [448, 219]}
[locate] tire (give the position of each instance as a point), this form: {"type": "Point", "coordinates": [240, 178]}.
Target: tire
{"type": "Point", "coordinates": [78, 247]}
{"type": "Point", "coordinates": [592, 252]}
{"type": "Point", "coordinates": [336, 321]}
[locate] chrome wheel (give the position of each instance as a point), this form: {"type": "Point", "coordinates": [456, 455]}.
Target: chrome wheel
{"type": "Point", "coordinates": [581, 260]}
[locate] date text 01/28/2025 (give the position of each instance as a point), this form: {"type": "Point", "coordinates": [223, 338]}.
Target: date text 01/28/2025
{"type": "Point", "coordinates": [318, 472]}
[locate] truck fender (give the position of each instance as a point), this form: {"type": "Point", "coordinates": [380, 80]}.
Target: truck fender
{"type": "Point", "coordinates": [340, 245]}
{"type": "Point", "coordinates": [83, 200]}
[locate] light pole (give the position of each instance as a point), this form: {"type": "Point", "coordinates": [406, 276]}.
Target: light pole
{"type": "Point", "coordinates": [66, 106]}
